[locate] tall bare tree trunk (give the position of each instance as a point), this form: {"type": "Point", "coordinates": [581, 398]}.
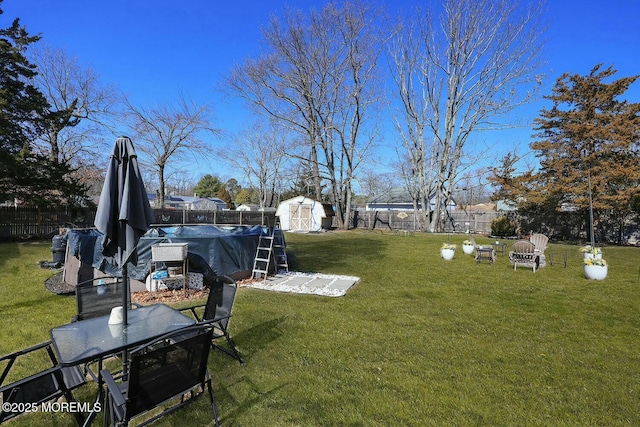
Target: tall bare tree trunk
{"type": "Point", "coordinates": [319, 79]}
{"type": "Point", "coordinates": [454, 73]}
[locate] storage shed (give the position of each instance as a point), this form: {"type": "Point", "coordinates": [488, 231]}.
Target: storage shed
{"type": "Point", "coordinates": [304, 214]}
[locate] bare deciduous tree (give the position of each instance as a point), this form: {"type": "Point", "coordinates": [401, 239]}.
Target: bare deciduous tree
{"type": "Point", "coordinates": [170, 134]}
{"type": "Point", "coordinates": [456, 74]}
{"type": "Point", "coordinates": [319, 79]}
{"type": "Point", "coordinates": [259, 154]}
{"type": "Point", "coordinates": [82, 107]}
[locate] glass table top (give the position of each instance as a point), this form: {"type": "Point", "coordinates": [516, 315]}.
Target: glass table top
{"type": "Point", "coordinates": [91, 339]}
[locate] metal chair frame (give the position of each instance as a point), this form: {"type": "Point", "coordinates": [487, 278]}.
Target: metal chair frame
{"type": "Point", "coordinates": [161, 371]}
{"type": "Point", "coordinates": [93, 299]}
{"type": "Point", "coordinates": [49, 384]}
{"type": "Point", "coordinates": [217, 312]}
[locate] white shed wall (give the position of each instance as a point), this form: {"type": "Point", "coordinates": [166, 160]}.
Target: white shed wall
{"type": "Point", "coordinates": [310, 214]}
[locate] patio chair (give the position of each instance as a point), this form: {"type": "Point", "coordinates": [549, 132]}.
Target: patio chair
{"type": "Point", "coordinates": [23, 395]}
{"type": "Point", "coordinates": [170, 367]}
{"type": "Point", "coordinates": [524, 253]}
{"type": "Point", "coordinates": [540, 240]}
{"type": "Point", "coordinates": [217, 313]}
{"type": "Point", "coordinates": [96, 297]}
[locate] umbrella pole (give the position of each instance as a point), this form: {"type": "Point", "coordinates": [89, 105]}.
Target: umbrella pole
{"type": "Point", "coordinates": [125, 294]}
{"type": "Point", "coordinates": [125, 309]}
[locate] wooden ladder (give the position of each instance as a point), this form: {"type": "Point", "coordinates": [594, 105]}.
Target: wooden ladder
{"type": "Point", "coordinates": [271, 248]}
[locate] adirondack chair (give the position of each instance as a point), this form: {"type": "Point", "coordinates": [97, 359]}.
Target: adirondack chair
{"type": "Point", "coordinates": [540, 241]}
{"type": "Point", "coordinates": [524, 253]}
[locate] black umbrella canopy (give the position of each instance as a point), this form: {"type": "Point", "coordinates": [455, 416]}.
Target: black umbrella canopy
{"type": "Point", "coordinates": [124, 213]}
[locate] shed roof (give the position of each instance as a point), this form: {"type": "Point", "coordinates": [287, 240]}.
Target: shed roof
{"type": "Point", "coordinates": [327, 207]}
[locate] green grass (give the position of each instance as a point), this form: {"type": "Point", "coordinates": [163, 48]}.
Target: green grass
{"type": "Point", "coordinates": [418, 341]}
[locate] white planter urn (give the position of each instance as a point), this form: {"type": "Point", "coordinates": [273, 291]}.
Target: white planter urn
{"type": "Point", "coordinates": [447, 253]}
{"type": "Point", "coordinates": [467, 249]}
{"type": "Point", "coordinates": [596, 272]}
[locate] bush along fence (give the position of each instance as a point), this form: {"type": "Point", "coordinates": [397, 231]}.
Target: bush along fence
{"type": "Point", "coordinates": [27, 222]}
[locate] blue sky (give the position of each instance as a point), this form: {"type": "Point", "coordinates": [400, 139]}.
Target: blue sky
{"type": "Point", "coordinates": [155, 50]}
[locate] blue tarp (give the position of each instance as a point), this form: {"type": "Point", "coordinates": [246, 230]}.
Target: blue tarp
{"type": "Point", "coordinates": [216, 250]}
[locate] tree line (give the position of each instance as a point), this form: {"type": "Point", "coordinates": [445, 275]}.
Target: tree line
{"type": "Point", "coordinates": [588, 143]}
{"type": "Point", "coordinates": [56, 118]}
{"type": "Point", "coordinates": [322, 91]}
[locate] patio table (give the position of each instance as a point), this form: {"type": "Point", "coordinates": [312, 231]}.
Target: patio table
{"type": "Point", "coordinates": [92, 340]}
{"type": "Point", "coordinates": [485, 253]}
{"type": "Point", "coordinates": [500, 248]}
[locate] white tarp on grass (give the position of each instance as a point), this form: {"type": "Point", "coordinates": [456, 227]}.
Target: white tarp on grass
{"type": "Point", "coordinates": [307, 283]}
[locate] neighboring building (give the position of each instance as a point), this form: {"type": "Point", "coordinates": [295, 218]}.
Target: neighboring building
{"type": "Point", "coordinates": [398, 199]}
{"type": "Point", "coordinates": [190, 203]}
{"type": "Point", "coordinates": [254, 208]}
{"type": "Point", "coordinates": [304, 214]}
{"type": "Point", "coordinates": [506, 205]}
{"type": "Point", "coordinates": [481, 207]}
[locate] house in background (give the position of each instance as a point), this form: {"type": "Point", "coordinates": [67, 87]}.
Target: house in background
{"type": "Point", "coordinates": [506, 205]}
{"type": "Point", "coordinates": [304, 214]}
{"type": "Point", "coordinates": [189, 203]}
{"type": "Point", "coordinates": [398, 199]}
{"type": "Point", "coordinates": [481, 207]}
{"type": "Point", "coordinates": [254, 208]}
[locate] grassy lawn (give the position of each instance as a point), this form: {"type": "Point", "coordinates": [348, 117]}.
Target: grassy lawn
{"type": "Point", "coordinates": [418, 341]}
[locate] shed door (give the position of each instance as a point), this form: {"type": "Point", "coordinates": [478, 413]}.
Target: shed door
{"type": "Point", "coordinates": [300, 217]}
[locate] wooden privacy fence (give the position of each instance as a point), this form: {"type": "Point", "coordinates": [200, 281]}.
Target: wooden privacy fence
{"type": "Point", "coordinates": [23, 222]}
{"type": "Point", "coordinates": [173, 216]}
{"type": "Point", "coordinates": [461, 221]}
{"type": "Point", "coordinates": [20, 222]}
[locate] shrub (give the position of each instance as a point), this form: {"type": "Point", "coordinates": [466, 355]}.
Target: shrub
{"type": "Point", "coordinates": [503, 227]}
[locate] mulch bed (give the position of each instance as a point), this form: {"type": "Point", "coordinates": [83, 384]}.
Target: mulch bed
{"type": "Point", "coordinates": [58, 286]}
{"type": "Point", "coordinates": [173, 295]}
{"type": "Point", "coordinates": [168, 296]}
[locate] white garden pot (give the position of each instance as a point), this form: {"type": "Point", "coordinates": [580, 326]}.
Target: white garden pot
{"type": "Point", "coordinates": [596, 272]}
{"type": "Point", "coordinates": [467, 249]}
{"type": "Point", "coordinates": [447, 253]}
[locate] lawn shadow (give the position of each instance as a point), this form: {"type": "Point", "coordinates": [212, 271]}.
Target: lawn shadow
{"type": "Point", "coordinates": [335, 253]}
{"type": "Point", "coordinates": [35, 302]}
{"type": "Point", "coordinates": [256, 338]}
{"type": "Point", "coordinates": [8, 250]}
{"type": "Point", "coordinates": [251, 396]}
{"type": "Point", "coordinates": [241, 393]}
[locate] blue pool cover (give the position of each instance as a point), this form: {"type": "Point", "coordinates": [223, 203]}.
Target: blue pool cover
{"type": "Point", "coordinates": [212, 250]}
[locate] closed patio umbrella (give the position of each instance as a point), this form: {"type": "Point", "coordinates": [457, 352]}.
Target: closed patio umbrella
{"type": "Point", "coordinates": [124, 213]}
